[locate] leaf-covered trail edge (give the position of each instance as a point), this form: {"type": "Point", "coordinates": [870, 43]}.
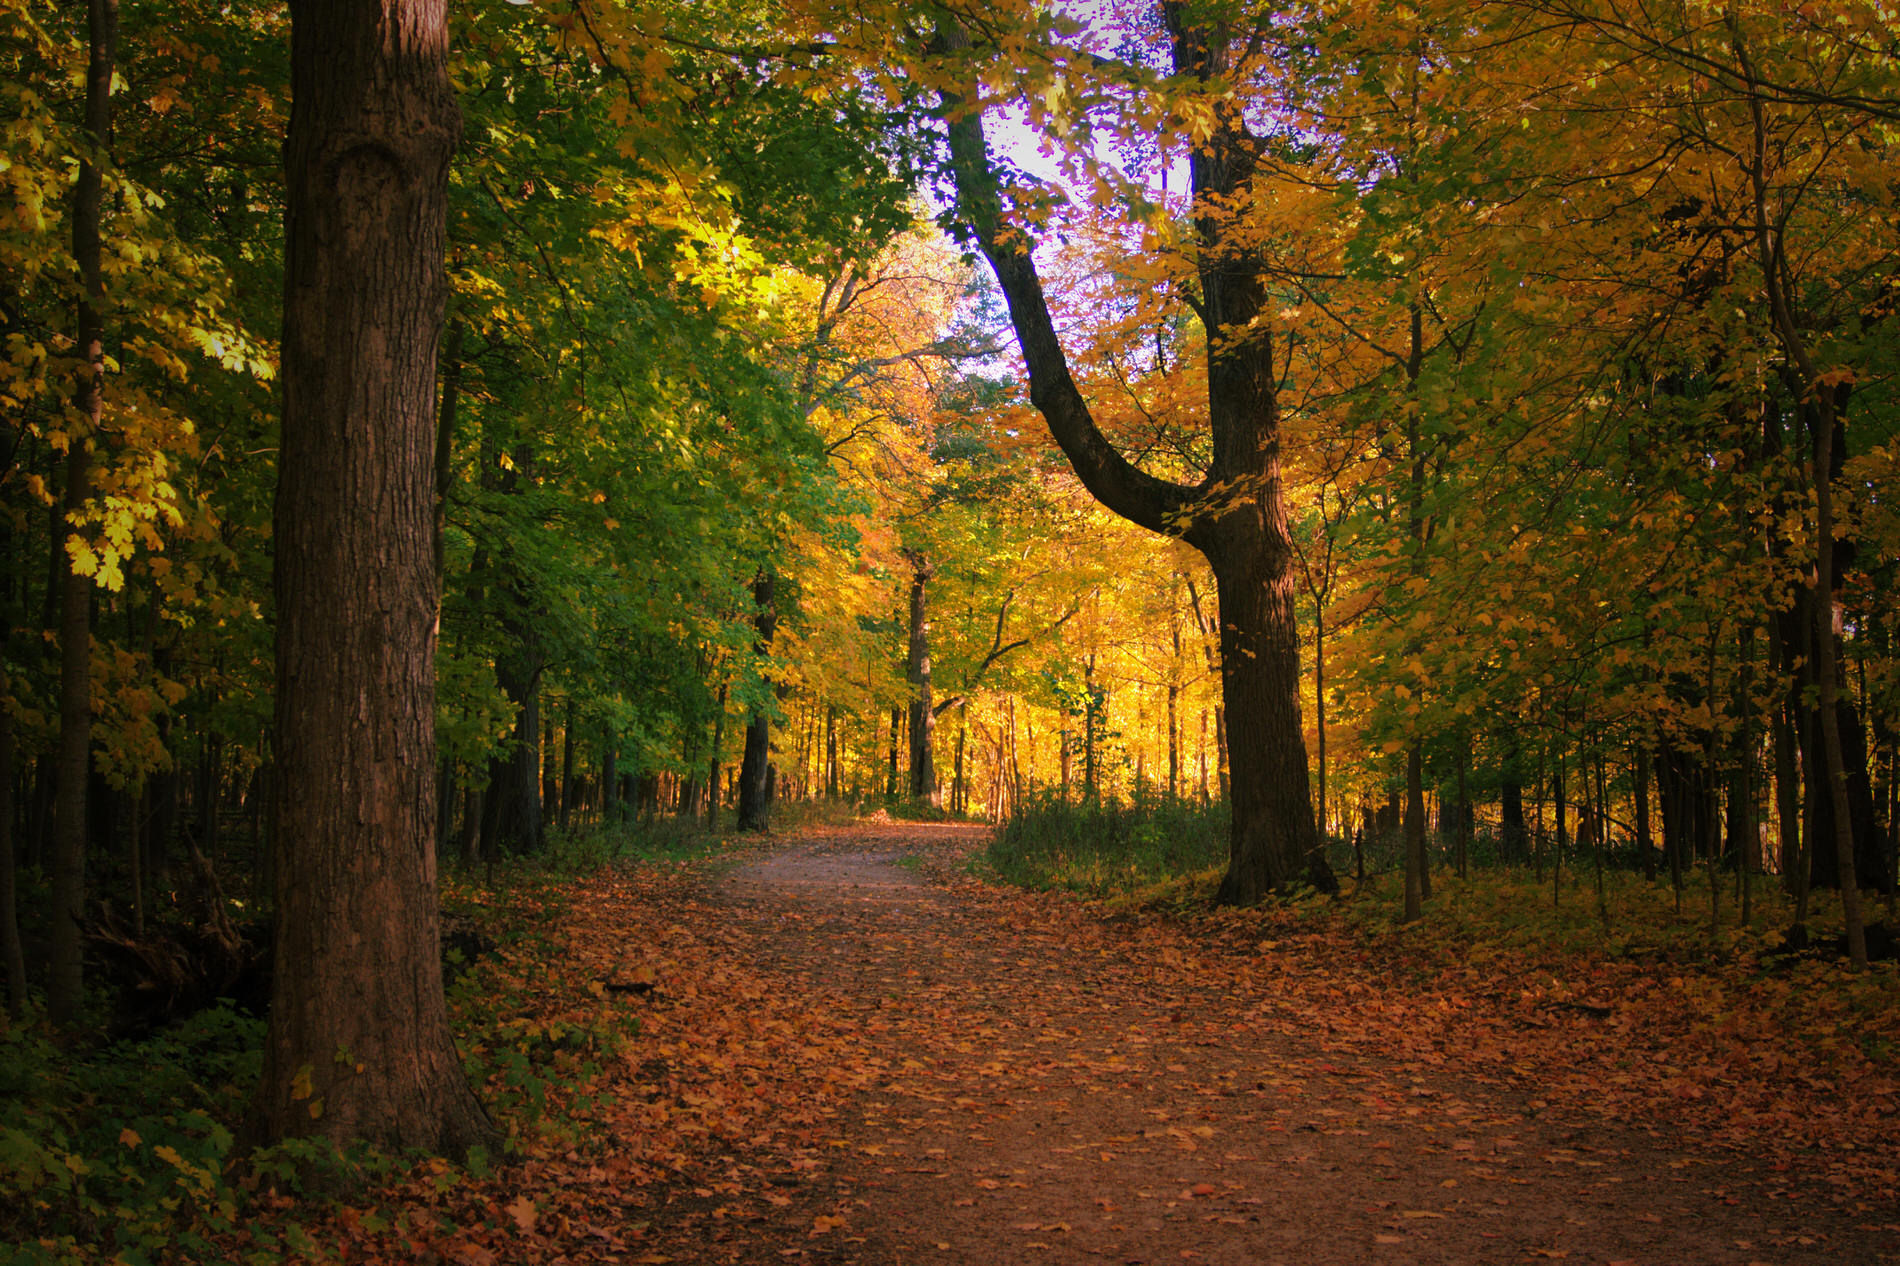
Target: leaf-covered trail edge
{"type": "Point", "coordinates": [849, 1051]}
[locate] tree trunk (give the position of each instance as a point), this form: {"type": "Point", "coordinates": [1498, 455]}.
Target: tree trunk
{"type": "Point", "coordinates": [1513, 833]}
{"type": "Point", "coordinates": [444, 794]}
{"type": "Point", "coordinates": [923, 719]}
{"type": "Point", "coordinates": [1645, 846]}
{"type": "Point", "coordinates": [11, 953]}
{"type": "Point", "coordinates": [890, 777]}
{"type": "Point", "coordinates": [1464, 804]}
{"type": "Point", "coordinates": [610, 784]}
{"type": "Point", "coordinates": [64, 978]}
{"type": "Point", "coordinates": [755, 800]}
{"type": "Point", "coordinates": [470, 844]}
{"type": "Point", "coordinates": [514, 822]}
{"type": "Point", "coordinates": [959, 789]}
{"type": "Point", "coordinates": [831, 751]}
{"type": "Point", "coordinates": [1833, 789]}
{"type": "Point", "coordinates": [1274, 844]}
{"type": "Point", "coordinates": [359, 1046]}
{"type": "Point", "coordinates": [1092, 708]}
{"type": "Point", "coordinates": [1561, 790]}
{"type": "Point", "coordinates": [1319, 707]}
{"type": "Point", "coordinates": [713, 789]}
{"type": "Point", "coordinates": [1414, 831]}
{"type": "Point", "coordinates": [566, 792]}
{"type": "Point", "coordinates": [444, 454]}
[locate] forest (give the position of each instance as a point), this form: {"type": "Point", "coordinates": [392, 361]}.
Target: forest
{"type": "Point", "coordinates": [1239, 465]}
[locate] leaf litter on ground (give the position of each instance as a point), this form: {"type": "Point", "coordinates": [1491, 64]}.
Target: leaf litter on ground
{"type": "Point", "coordinates": [824, 1056]}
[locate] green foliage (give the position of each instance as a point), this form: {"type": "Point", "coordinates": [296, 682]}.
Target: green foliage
{"type": "Point", "coordinates": [123, 1150]}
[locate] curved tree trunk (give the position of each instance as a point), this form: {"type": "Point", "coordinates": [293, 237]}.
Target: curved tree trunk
{"type": "Point", "coordinates": [1236, 516]}
{"type": "Point", "coordinates": [359, 1044]}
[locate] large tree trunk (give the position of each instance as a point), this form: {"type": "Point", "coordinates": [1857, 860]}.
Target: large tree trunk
{"type": "Point", "coordinates": [359, 1045]}
{"type": "Point", "coordinates": [755, 795]}
{"type": "Point", "coordinates": [923, 717]}
{"type": "Point", "coordinates": [64, 977]}
{"type": "Point", "coordinates": [1235, 516]}
{"type": "Point", "coordinates": [1274, 843]}
{"type": "Point", "coordinates": [1869, 857]}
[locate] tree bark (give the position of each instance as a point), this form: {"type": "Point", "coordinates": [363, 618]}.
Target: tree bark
{"type": "Point", "coordinates": [610, 783]}
{"type": "Point", "coordinates": [1513, 833]}
{"type": "Point", "coordinates": [1639, 792]}
{"type": "Point", "coordinates": [514, 821]}
{"type": "Point", "coordinates": [890, 775]}
{"type": "Point", "coordinates": [1414, 831]}
{"type": "Point", "coordinates": [359, 1046]}
{"type": "Point", "coordinates": [714, 792]}
{"type": "Point", "coordinates": [831, 751]}
{"type": "Point", "coordinates": [11, 952]}
{"type": "Point", "coordinates": [444, 454]}
{"type": "Point", "coordinates": [755, 798]}
{"type": "Point", "coordinates": [923, 717]}
{"type": "Point", "coordinates": [1825, 408]}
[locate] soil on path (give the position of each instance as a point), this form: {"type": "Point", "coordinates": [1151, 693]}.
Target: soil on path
{"type": "Point", "coordinates": [1042, 1085]}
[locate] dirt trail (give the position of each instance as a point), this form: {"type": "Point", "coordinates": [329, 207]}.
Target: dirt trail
{"type": "Point", "coordinates": [1053, 1088]}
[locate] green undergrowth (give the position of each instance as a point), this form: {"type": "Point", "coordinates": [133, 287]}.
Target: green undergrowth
{"type": "Point", "coordinates": [129, 1151]}
{"type": "Point", "coordinates": [794, 815]}
{"type": "Point", "coordinates": [1149, 850]}
{"type": "Point", "coordinates": [1168, 857]}
{"type": "Point", "coordinates": [582, 852]}
{"type": "Point", "coordinates": [1512, 909]}
{"type": "Point", "coordinates": [121, 1147]}
{"type": "Point", "coordinates": [1170, 854]}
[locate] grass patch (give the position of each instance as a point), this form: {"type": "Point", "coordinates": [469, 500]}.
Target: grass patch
{"type": "Point", "coordinates": [1158, 848]}
{"type": "Point", "coordinates": [663, 839]}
